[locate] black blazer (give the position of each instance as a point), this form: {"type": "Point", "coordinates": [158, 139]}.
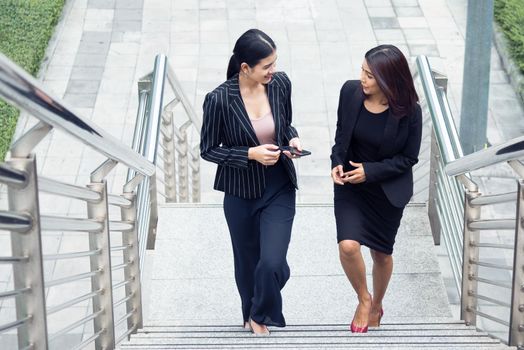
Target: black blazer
{"type": "Point", "coordinates": [399, 149]}
{"type": "Point", "coordinates": [227, 134]}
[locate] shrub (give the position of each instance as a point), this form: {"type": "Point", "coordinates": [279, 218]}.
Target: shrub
{"type": "Point", "coordinates": [509, 14]}
{"type": "Point", "coordinates": [25, 29]}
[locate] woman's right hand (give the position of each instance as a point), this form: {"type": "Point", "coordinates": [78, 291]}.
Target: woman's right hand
{"type": "Point", "coordinates": [337, 174]}
{"type": "Point", "coordinates": [267, 154]}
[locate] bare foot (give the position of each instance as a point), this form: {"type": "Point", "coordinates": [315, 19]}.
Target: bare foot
{"type": "Point", "coordinates": [361, 317]}
{"type": "Point", "coordinates": [247, 326]}
{"type": "Point", "coordinates": [258, 329]}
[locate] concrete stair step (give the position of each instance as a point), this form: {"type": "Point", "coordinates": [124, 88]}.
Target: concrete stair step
{"type": "Point", "coordinates": [386, 327]}
{"type": "Point", "coordinates": [323, 346]}
{"type": "Point", "coordinates": [396, 336]}
{"type": "Point", "coordinates": [306, 334]}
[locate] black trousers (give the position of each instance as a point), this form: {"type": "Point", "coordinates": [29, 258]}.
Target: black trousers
{"type": "Point", "coordinates": [260, 232]}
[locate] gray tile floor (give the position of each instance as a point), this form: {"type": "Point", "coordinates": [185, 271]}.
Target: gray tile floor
{"type": "Point", "coordinates": [103, 47]}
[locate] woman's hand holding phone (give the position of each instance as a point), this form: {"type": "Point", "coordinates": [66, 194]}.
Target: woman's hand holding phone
{"type": "Point", "coordinates": [267, 154]}
{"type": "Point", "coordinates": [294, 150]}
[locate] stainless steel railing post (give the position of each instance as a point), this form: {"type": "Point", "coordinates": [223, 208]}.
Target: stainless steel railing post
{"type": "Point", "coordinates": [470, 254]}
{"type": "Point", "coordinates": [433, 190]}
{"type": "Point", "coordinates": [132, 271]}
{"type": "Point", "coordinates": [168, 143]}
{"type": "Point", "coordinates": [516, 328]}
{"type": "Point", "coordinates": [435, 158]}
{"type": "Point", "coordinates": [102, 262]}
{"type": "Point", "coordinates": [195, 174]}
{"type": "Point", "coordinates": [29, 273]}
{"type": "Point", "coordinates": [183, 171]}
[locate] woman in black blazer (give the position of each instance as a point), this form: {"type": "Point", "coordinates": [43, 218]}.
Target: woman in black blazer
{"type": "Point", "coordinates": [377, 143]}
{"type": "Point", "coordinates": [246, 120]}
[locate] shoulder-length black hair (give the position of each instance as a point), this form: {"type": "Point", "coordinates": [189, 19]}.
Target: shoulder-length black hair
{"type": "Point", "coordinates": [391, 71]}
{"type": "Point", "coordinates": [252, 46]}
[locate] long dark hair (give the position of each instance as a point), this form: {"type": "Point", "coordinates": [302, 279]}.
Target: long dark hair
{"type": "Point", "coordinates": [252, 46]}
{"type": "Point", "coordinates": [391, 71]}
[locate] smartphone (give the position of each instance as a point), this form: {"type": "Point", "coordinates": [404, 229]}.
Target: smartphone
{"type": "Point", "coordinates": [295, 152]}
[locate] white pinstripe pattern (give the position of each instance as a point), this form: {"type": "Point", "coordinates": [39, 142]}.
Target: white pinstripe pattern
{"type": "Point", "coordinates": [227, 134]}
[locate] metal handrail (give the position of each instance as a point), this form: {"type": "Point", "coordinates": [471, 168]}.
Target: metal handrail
{"type": "Point", "coordinates": [491, 265]}
{"type": "Point", "coordinates": [510, 150]}
{"type": "Point", "coordinates": [122, 301]}
{"type": "Point", "coordinates": [72, 255]}
{"type": "Point", "coordinates": [180, 162]}
{"type": "Point", "coordinates": [124, 318]}
{"type": "Point", "coordinates": [137, 203]}
{"type": "Point", "coordinates": [12, 177]}
{"type": "Point", "coordinates": [67, 190]}
{"type": "Point", "coordinates": [489, 317]}
{"type": "Point", "coordinates": [121, 284]}
{"type": "Point", "coordinates": [14, 293]}
{"type": "Point", "coordinates": [57, 223]}
{"type": "Point", "coordinates": [119, 201]}
{"type": "Point", "coordinates": [89, 340]}
{"type": "Point", "coordinates": [442, 121]}
{"type": "Point", "coordinates": [14, 221]}
{"type": "Point", "coordinates": [126, 334]}
{"type": "Point", "coordinates": [491, 300]}
{"type": "Point", "coordinates": [176, 86]}
{"type": "Point", "coordinates": [75, 325]}
{"type": "Point", "coordinates": [492, 245]}
{"type": "Point", "coordinates": [14, 324]}
{"type": "Point", "coordinates": [72, 302]}
{"type": "Point", "coordinates": [121, 226]}
{"type": "Point", "coordinates": [12, 259]}
{"type": "Point", "coordinates": [22, 90]}
{"type": "Point", "coordinates": [74, 278]}
{"type": "Point", "coordinates": [492, 224]}
{"type": "Point", "coordinates": [495, 199]}
{"type": "Point", "coordinates": [455, 205]}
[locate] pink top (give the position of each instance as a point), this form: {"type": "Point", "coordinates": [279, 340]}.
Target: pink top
{"type": "Point", "coordinates": [265, 129]}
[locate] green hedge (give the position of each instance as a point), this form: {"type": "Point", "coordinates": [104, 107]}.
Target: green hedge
{"type": "Point", "coordinates": [25, 29]}
{"type": "Point", "coordinates": [509, 14]}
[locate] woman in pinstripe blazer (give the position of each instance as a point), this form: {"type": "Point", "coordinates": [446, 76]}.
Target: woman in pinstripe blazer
{"type": "Point", "coordinates": [246, 119]}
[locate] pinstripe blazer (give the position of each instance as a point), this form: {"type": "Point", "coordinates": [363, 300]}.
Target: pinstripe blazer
{"type": "Point", "coordinates": [227, 134]}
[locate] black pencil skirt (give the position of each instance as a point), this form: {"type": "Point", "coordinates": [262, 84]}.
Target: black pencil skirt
{"type": "Point", "coordinates": [364, 214]}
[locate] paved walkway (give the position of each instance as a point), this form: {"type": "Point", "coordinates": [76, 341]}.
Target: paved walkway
{"type": "Point", "coordinates": [104, 46]}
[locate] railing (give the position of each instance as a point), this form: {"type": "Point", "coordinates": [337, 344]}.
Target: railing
{"type": "Point", "coordinates": [113, 244]}
{"type": "Point", "coordinates": [456, 215]}
{"type": "Point", "coordinates": [179, 160]}
{"type": "Point", "coordinates": [133, 229]}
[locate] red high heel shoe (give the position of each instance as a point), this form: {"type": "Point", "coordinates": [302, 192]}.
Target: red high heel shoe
{"type": "Point", "coordinates": [377, 324]}
{"type": "Point", "coordinates": [355, 329]}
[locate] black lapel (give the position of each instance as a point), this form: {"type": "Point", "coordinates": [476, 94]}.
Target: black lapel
{"type": "Point", "coordinates": [354, 106]}
{"type": "Point", "coordinates": [273, 96]}
{"type": "Point", "coordinates": [390, 133]}
{"type": "Point", "coordinates": [236, 106]}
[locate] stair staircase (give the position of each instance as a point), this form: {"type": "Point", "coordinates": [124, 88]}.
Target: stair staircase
{"type": "Point", "coordinates": [191, 302]}
{"type": "Point", "coordinates": [442, 335]}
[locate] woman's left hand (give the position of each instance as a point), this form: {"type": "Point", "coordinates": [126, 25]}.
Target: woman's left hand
{"type": "Point", "coordinates": [355, 176]}
{"type": "Point", "coordinates": [294, 142]}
